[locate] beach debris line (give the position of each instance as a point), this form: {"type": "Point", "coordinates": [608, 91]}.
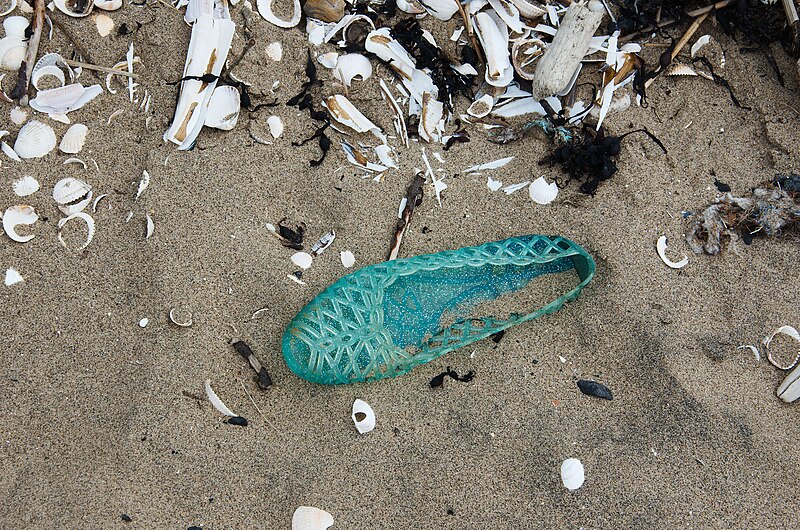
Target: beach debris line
{"type": "Point", "coordinates": [363, 416]}
{"type": "Point", "coordinates": [438, 380]}
{"type": "Point", "coordinates": [232, 418]}
{"type": "Point", "coordinates": [310, 518]}
{"type": "Point", "coordinates": [593, 388]}
{"type": "Point", "coordinates": [572, 474]}
{"type": "Point", "coordinates": [790, 332]}
{"type": "Point", "coordinates": [661, 248]}
{"type": "Point", "coordinates": [262, 376]}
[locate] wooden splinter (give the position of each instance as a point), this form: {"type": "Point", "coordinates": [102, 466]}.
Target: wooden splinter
{"type": "Point", "coordinates": [20, 91]}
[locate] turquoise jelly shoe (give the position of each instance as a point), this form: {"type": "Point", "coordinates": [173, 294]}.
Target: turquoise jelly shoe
{"type": "Point", "coordinates": [383, 320]}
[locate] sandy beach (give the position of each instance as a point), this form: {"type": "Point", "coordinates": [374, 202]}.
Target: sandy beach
{"type": "Point", "coordinates": [95, 420]}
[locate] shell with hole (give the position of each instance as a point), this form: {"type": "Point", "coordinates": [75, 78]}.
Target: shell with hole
{"type": "Point", "coordinates": [265, 10]}
{"type": "Point", "coordinates": [72, 195]}
{"type": "Point", "coordinates": [352, 66]}
{"type": "Point", "coordinates": [13, 46]}
{"type": "Point", "coordinates": [35, 140]}
{"type": "Point", "coordinates": [14, 216]}
{"type": "Point", "coordinates": [73, 140]}
{"type": "Point", "coordinates": [499, 71]}
{"type": "Point", "coordinates": [325, 10]}
{"type": "Point", "coordinates": [223, 108]}
{"type": "Point", "coordinates": [74, 8]}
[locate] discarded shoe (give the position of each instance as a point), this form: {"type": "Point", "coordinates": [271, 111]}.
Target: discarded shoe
{"type": "Point", "coordinates": [385, 319]}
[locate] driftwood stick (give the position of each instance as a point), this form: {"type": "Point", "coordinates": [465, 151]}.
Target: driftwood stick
{"type": "Point", "coordinates": [98, 68]}
{"type": "Point", "coordinates": [681, 43]}
{"type": "Point", "coordinates": [564, 55]}
{"type": "Point", "coordinates": [20, 91]}
{"type": "Point", "coordinates": [671, 21]}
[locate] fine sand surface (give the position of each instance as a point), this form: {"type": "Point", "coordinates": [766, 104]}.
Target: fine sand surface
{"type": "Point", "coordinates": [94, 422]}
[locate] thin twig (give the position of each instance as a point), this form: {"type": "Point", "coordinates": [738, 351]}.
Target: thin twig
{"type": "Point", "coordinates": [681, 43]}
{"type": "Point", "coordinates": [20, 91]}
{"type": "Point", "coordinates": [671, 21]}
{"type": "Point", "coordinates": [472, 39]}
{"type": "Point", "coordinates": [104, 69]}
{"type": "Point", "coordinates": [82, 51]}
{"type": "Point", "coordinates": [256, 406]}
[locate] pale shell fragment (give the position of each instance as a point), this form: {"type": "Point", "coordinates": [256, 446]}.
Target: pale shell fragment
{"type": "Point", "coordinates": [85, 217]}
{"type": "Point", "coordinates": [322, 244]}
{"type": "Point", "coordinates": [348, 259]}
{"type": "Point", "coordinates": [25, 186]}
{"type": "Point", "coordinates": [789, 390]}
{"type": "Point", "coordinates": [310, 518]}
{"type": "Point", "coordinates": [678, 69]}
{"type": "Point", "coordinates": [75, 161]}
{"type": "Point", "coordinates": [224, 108]}
{"type": "Point", "coordinates": [144, 322]}
{"type": "Point", "coordinates": [72, 195]}
{"type": "Point", "coordinates": [35, 140]}
{"type": "Point", "coordinates": [275, 125]}
{"type": "Point", "coordinates": [302, 259]}
{"type": "Point", "coordinates": [108, 5]}
{"type": "Point", "coordinates": [104, 24]}
{"type": "Point", "coordinates": [265, 9]}
{"type": "Point", "coordinates": [275, 51]}
{"type": "Point", "coordinates": [366, 424]}
{"type": "Point", "coordinates": [789, 331]}
{"type": "Point", "coordinates": [10, 8]}
{"type": "Point", "coordinates": [702, 41]}
{"type": "Point", "coordinates": [481, 107]}
{"type": "Point", "coordinates": [64, 99]}
{"type": "Point", "coordinates": [13, 277]}
{"type": "Point", "coordinates": [542, 192]}
{"type": "Point", "coordinates": [74, 8]}
{"type": "Point", "coordinates": [499, 71]}
{"type": "Point", "coordinates": [431, 121]}
{"type": "Point", "coordinates": [181, 318]}
{"type": "Point", "coordinates": [14, 216]}
{"type": "Point", "coordinates": [661, 248]}
{"type": "Point", "coordinates": [19, 115]}
{"type": "Point", "coordinates": [73, 140]}
{"type": "Point", "coordinates": [352, 66]}
{"type": "Point", "coordinates": [572, 474]}
{"type": "Point", "coordinates": [328, 60]}
{"type": "Point", "coordinates": [343, 111]}
{"type": "Point", "coordinates": [216, 401]}
{"type": "Point", "coordinates": [495, 164]}
{"type": "Point", "coordinates": [493, 184]}
{"type": "Point", "coordinates": [441, 9]}
{"type": "Point", "coordinates": [143, 183]}
{"type": "Point", "coordinates": [149, 226]}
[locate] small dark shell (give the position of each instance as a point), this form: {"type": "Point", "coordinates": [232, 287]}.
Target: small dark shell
{"type": "Point", "coordinates": [593, 388]}
{"type": "Point", "coordinates": [238, 420]}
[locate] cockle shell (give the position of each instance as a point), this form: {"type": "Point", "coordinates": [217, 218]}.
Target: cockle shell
{"type": "Point", "coordinates": [13, 46]}
{"type": "Point", "coordinates": [74, 8]}
{"type": "Point", "coordinates": [35, 140]}
{"type": "Point", "coordinates": [325, 10]}
{"type": "Point", "coordinates": [15, 26]}
{"type": "Point", "coordinates": [86, 218]}
{"type": "Point", "coordinates": [21, 214]}
{"type": "Point", "coordinates": [310, 518]}
{"type": "Point", "coordinates": [25, 186]}
{"type": "Point", "coordinates": [542, 192]}
{"type": "Point", "coordinates": [73, 140]}
{"type": "Point", "coordinates": [352, 66]}
{"type": "Point", "coordinates": [64, 99]}
{"type": "Point", "coordinates": [19, 115]}
{"type": "Point", "coordinates": [72, 195]}
{"type": "Point", "coordinates": [224, 108]}
{"type": "Point", "coordinates": [43, 72]}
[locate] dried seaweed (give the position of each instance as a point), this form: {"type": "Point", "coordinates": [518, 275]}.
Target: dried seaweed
{"type": "Point", "coordinates": [438, 380]}
{"type": "Point", "coordinates": [304, 100]}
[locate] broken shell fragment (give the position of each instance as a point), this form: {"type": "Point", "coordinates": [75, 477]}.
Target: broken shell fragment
{"type": "Point", "coordinates": [265, 10]}
{"type": "Point", "coordinates": [14, 216]}
{"type": "Point", "coordinates": [572, 474]}
{"type": "Point", "coordinates": [441, 9]}
{"type": "Point", "coordinates": [143, 183]}
{"type": "Point", "coordinates": [74, 8]}
{"type": "Point", "coordinates": [788, 391]}
{"type": "Point", "coordinates": [524, 54]}
{"type": "Point", "coordinates": [12, 277]}
{"type": "Point", "coordinates": [542, 192]}
{"type": "Point", "coordinates": [181, 317]}
{"type": "Point", "coordinates": [790, 332]}
{"type": "Point", "coordinates": [18, 115]}
{"type": "Point", "coordinates": [35, 140]}
{"type": "Point", "coordinates": [302, 260]}
{"type": "Point", "coordinates": [431, 121]}
{"type": "Point", "coordinates": [64, 99]}
{"type": "Point", "coordinates": [149, 226]}
{"type": "Point", "coordinates": [104, 24]}
{"type": "Point", "coordinates": [363, 416]}
{"type": "Point", "coordinates": [348, 259]}
{"type": "Point", "coordinates": [86, 218]}
{"type": "Point", "coordinates": [310, 518]}
{"type": "Point", "coordinates": [275, 125]}
{"type": "Point", "coordinates": [25, 186]}
{"type": "Point", "coordinates": [275, 51]}
{"type": "Point", "coordinates": [73, 140]}
{"type": "Point", "coordinates": [481, 107]}
{"type": "Point", "coordinates": [325, 10]}
{"type": "Point", "coordinates": [661, 248]}
{"type": "Point", "coordinates": [223, 108]}
{"type": "Point", "coordinates": [345, 113]}
{"type": "Point", "coordinates": [352, 66]}
{"type": "Point", "coordinates": [72, 195]}
{"type": "Point", "coordinates": [217, 402]}
{"type": "Point", "coordinates": [499, 71]}
{"type": "Point", "coordinates": [108, 5]}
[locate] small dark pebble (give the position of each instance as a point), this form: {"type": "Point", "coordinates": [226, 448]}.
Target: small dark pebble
{"type": "Point", "coordinates": [450, 511]}
{"type": "Point", "coordinates": [194, 528]}
{"type": "Point", "coordinates": [721, 186]}
{"type": "Point", "coordinates": [497, 337]}
{"type": "Point", "coordinates": [593, 388]}
{"type": "Point", "coordinates": [126, 518]}
{"type": "Point", "coordinates": [238, 420]}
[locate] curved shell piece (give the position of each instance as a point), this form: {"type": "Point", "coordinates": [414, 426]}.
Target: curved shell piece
{"type": "Point", "coordinates": [509, 14]}
{"type": "Point", "coordinates": [86, 218]}
{"type": "Point", "coordinates": [499, 71]}
{"type": "Point", "coordinates": [25, 186]}
{"type": "Point", "coordinates": [524, 54]}
{"type": "Point", "coordinates": [12, 53]}
{"type": "Point", "coordinates": [10, 8]}
{"type": "Point", "coordinates": [35, 140]}
{"type": "Point", "coordinates": [302, 260]}
{"type": "Point", "coordinates": [529, 9]}
{"type": "Point", "coordinates": [542, 192]}
{"type": "Point", "coordinates": [50, 70]}
{"type": "Point", "coordinates": [367, 423]}
{"type": "Point", "coordinates": [789, 331]}
{"type": "Point", "coordinates": [73, 140]}
{"type": "Point", "coordinates": [352, 66]}
{"type": "Point", "coordinates": [347, 258]}
{"type": "Point", "coordinates": [64, 99]}
{"type": "Point", "coordinates": [661, 248]}
{"type": "Point", "coordinates": [325, 10]}
{"type": "Point", "coordinates": [104, 24]}
{"type": "Point", "coordinates": [108, 5]}
{"type": "Point", "coordinates": [19, 115]}
{"type": "Point", "coordinates": [310, 518]}
{"type": "Point", "coordinates": [15, 26]}
{"type": "Point", "coordinates": [223, 108]}
{"type": "Point", "coordinates": [74, 8]}
{"type": "Point", "coordinates": [72, 195]}
{"type": "Point", "coordinates": [441, 9]}
{"type": "Point", "coordinates": [21, 214]}
{"type": "Point", "coordinates": [411, 7]}
{"type": "Point", "coordinates": [481, 106]}
{"type": "Point", "coordinates": [275, 125]}
{"type": "Point", "coordinates": [572, 474]}
{"type": "Point", "coordinates": [265, 10]}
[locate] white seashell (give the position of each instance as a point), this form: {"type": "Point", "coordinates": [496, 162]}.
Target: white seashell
{"type": "Point", "coordinates": [11, 8]}
{"type": "Point", "coordinates": [108, 5]}
{"type": "Point", "coordinates": [53, 59]}
{"type": "Point", "coordinates": [144, 322]}
{"type": "Point", "coordinates": [275, 51]}
{"type": "Point", "coordinates": [678, 69]}
{"type": "Point", "coordinates": [702, 41]}
{"type": "Point", "coordinates": [302, 260]}
{"type": "Point", "coordinates": [493, 184]}
{"type": "Point", "coordinates": [149, 226]}
{"type": "Point", "coordinates": [348, 259]}
{"type": "Point", "coordinates": [25, 186]}
{"type": "Point", "coordinates": [411, 7]}
{"type": "Point", "coordinates": [224, 108]}
{"type": "Point", "coordinates": [73, 140]}
{"type": "Point", "coordinates": [216, 401]}
{"type": "Point", "coordinates": [499, 71]}
{"type": "Point", "coordinates": [12, 277]}
{"type": "Point", "coordinates": [343, 111]}
{"type": "Point", "coordinates": [494, 164]}
{"type": "Point", "coordinates": [481, 106]}
{"type": "Point", "coordinates": [64, 99]}
{"type": "Point", "coordinates": [74, 160]}
{"type": "Point", "coordinates": [275, 125]}
{"type": "Point", "coordinates": [60, 118]}
{"type": "Point", "coordinates": [265, 9]}
{"type": "Point", "coordinates": [509, 14]}
{"type": "Point", "coordinates": [572, 474]}
{"type": "Point", "coordinates": [72, 195]}
{"type": "Point", "coordinates": [86, 218]}
{"type": "Point", "coordinates": [367, 423]}
{"type": "Point", "coordinates": [352, 66]}
{"type": "Point", "coordinates": [97, 200]}
{"type": "Point", "coordinates": [789, 331]}
{"type": "Point", "coordinates": [35, 140]}
{"type": "Point", "coordinates": [49, 70]}
{"type": "Point", "coordinates": [542, 192]}
{"type": "Point", "coordinates": [529, 10]}
{"type": "Point", "coordinates": [310, 518]}
{"type": "Point", "coordinates": [788, 391]}
{"type": "Point", "coordinates": [143, 183]}
{"type": "Point", "coordinates": [431, 121]}
{"type": "Point", "coordinates": [181, 318]}
{"type": "Point", "coordinates": [104, 24]}
{"type": "Point", "coordinates": [19, 115]}
{"type": "Point", "coordinates": [524, 54]}
{"type": "Point", "coordinates": [74, 8]}
{"type": "Point", "coordinates": [15, 26]}
{"type": "Point", "coordinates": [441, 9]}
{"type": "Point", "coordinates": [21, 214]}
{"type": "Point", "coordinates": [328, 60]}
{"type": "Point", "coordinates": [12, 53]}
{"type": "Point", "coordinates": [661, 248]}
{"type": "Point", "coordinates": [7, 148]}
